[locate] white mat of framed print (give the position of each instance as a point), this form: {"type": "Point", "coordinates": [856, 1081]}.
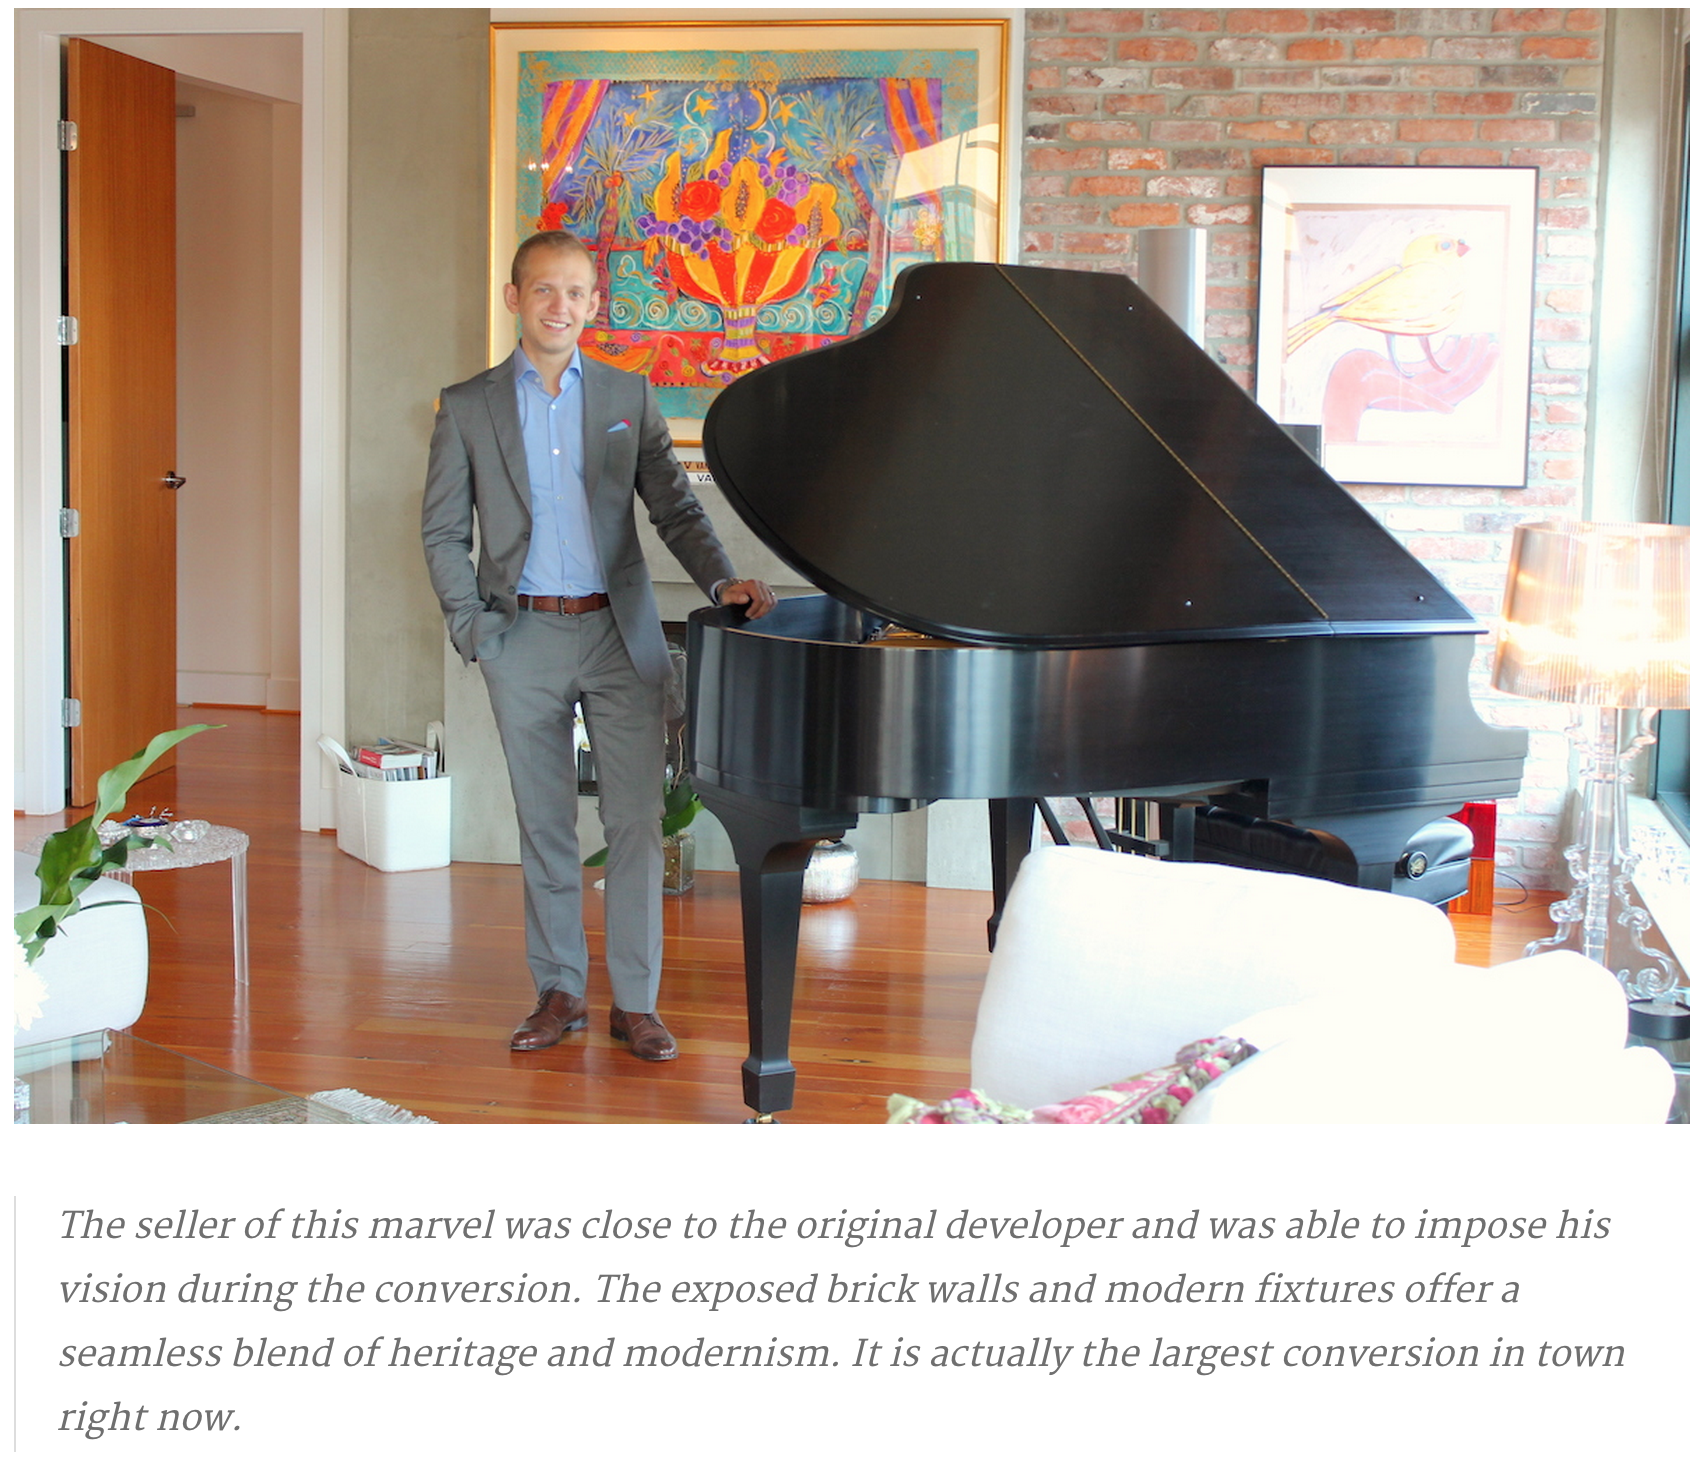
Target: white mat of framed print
{"type": "Point", "coordinates": [1396, 312]}
{"type": "Point", "coordinates": [750, 189]}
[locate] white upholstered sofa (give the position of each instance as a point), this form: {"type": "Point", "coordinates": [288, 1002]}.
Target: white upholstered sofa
{"type": "Point", "coordinates": [95, 969]}
{"type": "Point", "coordinates": [1108, 964]}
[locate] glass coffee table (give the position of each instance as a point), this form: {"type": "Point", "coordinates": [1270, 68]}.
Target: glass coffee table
{"type": "Point", "coordinates": [112, 1077]}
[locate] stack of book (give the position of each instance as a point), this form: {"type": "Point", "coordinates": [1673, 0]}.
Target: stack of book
{"type": "Point", "coordinates": [396, 759]}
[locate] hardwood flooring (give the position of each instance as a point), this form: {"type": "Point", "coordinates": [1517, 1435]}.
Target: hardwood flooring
{"type": "Point", "coordinates": [406, 986]}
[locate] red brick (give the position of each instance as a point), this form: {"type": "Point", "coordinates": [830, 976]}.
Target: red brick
{"type": "Point", "coordinates": [1146, 215]}
{"type": "Point", "coordinates": [1450, 548]}
{"type": "Point", "coordinates": [1291, 157]}
{"type": "Point", "coordinates": [1211, 105]}
{"type": "Point", "coordinates": [1391, 48]}
{"type": "Point", "coordinates": [1387, 103]}
{"type": "Point", "coordinates": [1230, 243]}
{"type": "Point", "coordinates": [1108, 186]}
{"type": "Point", "coordinates": [1225, 296]}
{"type": "Point", "coordinates": [1193, 78]}
{"type": "Point", "coordinates": [1265, 22]}
{"type": "Point", "coordinates": [1159, 48]}
{"type": "Point", "coordinates": [1437, 78]}
{"type": "Point", "coordinates": [1560, 385]}
{"type": "Point", "coordinates": [1350, 133]}
{"type": "Point", "coordinates": [1355, 22]}
{"type": "Point", "coordinates": [1564, 470]}
{"type": "Point", "coordinates": [1229, 326]}
{"type": "Point", "coordinates": [1059, 159]}
{"type": "Point", "coordinates": [1187, 131]}
{"type": "Point", "coordinates": [1475, 48]}
{"type": "Point", "coordinates": [1038, 214]}
{"type": "Point", "coordinates": [1246, 185]}
{"type": "Point", "coordinates": [1569, 300]}
{"type": "Point", "coordinates": [1308, 104]}
{"type": "Point", "coordinates": [1296, 79]}
{"type": "Point", "coordinates": [1375, 157]}
{"type": "Point", "coordinates": [1103, 22]}
{"type": "Point", "coordinates": [1551, 160]}
{"type": "Point", "coordinates": [1556, 413]}
{"type": "Point", "coordinates": [1124, 103]}
{"type": "Point", "coordinates": [1210, 159]}
{"type": "Point", "coordinates": [1559, 48]}
{"type": "Point", "coordinates": [1565, 217]}
{"type": "Point", "coordinates": [1105, 131]}
{"type": "Point", "coordinates": [1578, 129]}
{"type": "Point", "coordinates": [1207, 214]}
{"type": "Point", "coordinates": [1316, 50]}
{"type": "Point", "coordinates": [1186, 187]}
{"type": "Point", "coordinates": [1517, 131]}
{"type": "Point", "coordinates": [1038, 243]}
{"type": "Point", "coordinates": [1370, 76]}
{"type": "Point", "coordinates": [1527, 20]}
{"type": "Point", "coordinates": [1044, 184]}
{"type": "Point", "coordinates": [1038, 22]}
{"type": "Point", "coordinates": [1126, 159]}
{"type": "Point", "coordinates": [1435, 131]}
{"type": "Point", "coordinates": [1244, 51]}
{"type": "Point", "coordinates": [1045, 78]}
{"type": "Point", "coordinates": [1585, 20]}
{"type": "Point", "coordinates": [1475, 103]}
{"type": "Point", "coordinates": [1107, 245]}
{"type": "Point", "coordinates": [1268, 131]}
{"type": "Point", "coordinates": [1567, 356]}
{"type": "Point", "coordinates": [1561, 331]}
{"type": "Point", "coordinates": [1068, 48]}
{"type": "Point", "coordinates": [1062, 105]}
{"type": "Point", "coordinates": [1554, 271]}
{"type": "Point", "coordinates": [1193, 20]}
{"type": "Point", "coordinates": [1459, 157]}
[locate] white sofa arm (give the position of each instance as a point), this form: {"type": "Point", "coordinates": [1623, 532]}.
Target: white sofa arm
{"type": "Point", "coordinates": [1541, 1040]}
{"type": "Point", "coordinates": [1106, 964]}
{"type": "Point", "coordinates": [95, 969]}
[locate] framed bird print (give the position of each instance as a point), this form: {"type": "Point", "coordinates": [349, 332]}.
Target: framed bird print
{"type": "Point", "coordinates": [750, 189]}
{"type": "Point", "coordinates": [1395, 312]}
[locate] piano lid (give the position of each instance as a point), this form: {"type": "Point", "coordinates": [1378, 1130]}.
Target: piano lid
{"type": "Point", "coordinates": [1036, 457]}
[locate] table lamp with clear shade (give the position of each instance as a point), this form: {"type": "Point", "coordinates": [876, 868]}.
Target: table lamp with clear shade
{"type": "Point", "coordinates": [1596, 615]}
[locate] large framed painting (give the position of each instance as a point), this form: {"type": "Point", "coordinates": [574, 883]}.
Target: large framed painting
{"type": "Point", "coordinates": [1396, 312]}
{"type": "Point", "coordinates": [750, 190]}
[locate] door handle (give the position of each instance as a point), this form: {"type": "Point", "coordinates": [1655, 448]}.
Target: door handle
{"type": "Point", "coordinates": [175, 481]}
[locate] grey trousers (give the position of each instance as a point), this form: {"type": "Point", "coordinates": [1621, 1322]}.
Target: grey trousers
{"type": "Point", "coordinates": [548, 663]}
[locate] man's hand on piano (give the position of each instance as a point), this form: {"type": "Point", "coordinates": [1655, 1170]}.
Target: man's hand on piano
{"type": "Point", "coordinates": [756, 597]}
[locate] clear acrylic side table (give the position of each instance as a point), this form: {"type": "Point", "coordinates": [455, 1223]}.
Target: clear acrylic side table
{"type": "Point", "coordinates": [215, 843]}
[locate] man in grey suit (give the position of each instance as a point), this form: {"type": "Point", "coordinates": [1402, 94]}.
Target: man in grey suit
{"type": "Point", "coordinates": [547, 452]}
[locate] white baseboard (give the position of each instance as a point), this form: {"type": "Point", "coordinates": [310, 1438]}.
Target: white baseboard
{"type": "Point", "coordinates": [284, 695]}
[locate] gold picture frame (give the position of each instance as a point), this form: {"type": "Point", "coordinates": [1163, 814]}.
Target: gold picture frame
{"type": "Point", "coordinates": [750, 188]}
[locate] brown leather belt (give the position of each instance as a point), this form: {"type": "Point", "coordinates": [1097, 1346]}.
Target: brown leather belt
{"type": "Point", "coordinates": [562, 605]}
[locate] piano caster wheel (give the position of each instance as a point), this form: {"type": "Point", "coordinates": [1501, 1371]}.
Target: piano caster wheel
{"type": "Point", "coordinates": [764, 1118]}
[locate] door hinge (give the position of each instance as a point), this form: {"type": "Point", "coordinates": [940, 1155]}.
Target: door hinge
{"type": "Point", "coordinates": [67, 329]}
{"type": "Point", "coordinates": [70, 521]}
{"type": "Point", "coordinates": [68, 136]}
{"type": "Point", "coordinates": [70, 713]}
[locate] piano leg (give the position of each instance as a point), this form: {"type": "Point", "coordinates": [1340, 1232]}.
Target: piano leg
{"type": "Point", "coordinates": [772, 845]}
{"type": "Point", "coordinates": [1011, 829]}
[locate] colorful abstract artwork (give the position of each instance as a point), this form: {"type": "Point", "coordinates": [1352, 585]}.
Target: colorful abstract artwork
{"type": "Point", "coordinates": [745, 204]}
{"type": "Point", "coordinates": [1396, 313]}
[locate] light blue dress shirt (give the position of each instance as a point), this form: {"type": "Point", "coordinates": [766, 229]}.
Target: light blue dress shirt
{"type": "Point", "coordinates": [562, 560]}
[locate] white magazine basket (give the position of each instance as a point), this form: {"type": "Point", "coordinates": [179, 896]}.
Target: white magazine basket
{"type": "Point", "coordinates": [391, 824]}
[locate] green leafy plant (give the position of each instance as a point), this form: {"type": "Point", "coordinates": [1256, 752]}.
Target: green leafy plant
{"type": "Point", "coordinates": [74, 858]}
{"type": "Point", "coordinates": [680, 808]}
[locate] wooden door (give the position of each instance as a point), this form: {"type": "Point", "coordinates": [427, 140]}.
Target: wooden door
{"type": "Point", "coordinates": [121, 288]}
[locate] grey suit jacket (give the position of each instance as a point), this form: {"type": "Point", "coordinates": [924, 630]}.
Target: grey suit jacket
{"type": "Point", "coordinates": [477, 470]}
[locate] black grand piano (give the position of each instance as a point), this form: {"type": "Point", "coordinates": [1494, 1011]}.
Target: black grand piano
{"type": "Point", "coordinates": [1064, 555]}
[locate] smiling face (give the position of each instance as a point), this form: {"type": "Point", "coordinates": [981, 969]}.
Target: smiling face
{"type": "Point", "coordinates": [555, 298]}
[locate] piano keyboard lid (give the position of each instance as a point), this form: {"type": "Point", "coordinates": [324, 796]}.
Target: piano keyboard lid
{"type": "Point", "coordinates": [1037, 457]}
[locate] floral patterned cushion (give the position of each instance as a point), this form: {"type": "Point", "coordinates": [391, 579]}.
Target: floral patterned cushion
{"type": "Point", "coordinates": [1157, 1096]}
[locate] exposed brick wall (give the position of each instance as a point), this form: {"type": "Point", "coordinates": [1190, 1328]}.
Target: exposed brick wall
{"type": "Point", "coordinates": [1163, 118]}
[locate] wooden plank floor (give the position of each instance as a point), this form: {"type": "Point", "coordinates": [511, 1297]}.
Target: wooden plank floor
{"type": "Point", "coordinates": [406, 986]}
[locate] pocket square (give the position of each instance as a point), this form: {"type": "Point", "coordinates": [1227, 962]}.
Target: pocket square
{"type": "Point", "coordinates": [619, 425]}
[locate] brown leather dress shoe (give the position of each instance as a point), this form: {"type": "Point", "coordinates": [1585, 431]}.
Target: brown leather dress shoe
{"type": "Point", "coordinates": [644, 1033]}
{"type": "Point", "coordinates": [558, 1012]}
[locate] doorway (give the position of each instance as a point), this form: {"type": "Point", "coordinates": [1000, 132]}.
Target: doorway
{"type": "Point", "coordinates": [319, 41]}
